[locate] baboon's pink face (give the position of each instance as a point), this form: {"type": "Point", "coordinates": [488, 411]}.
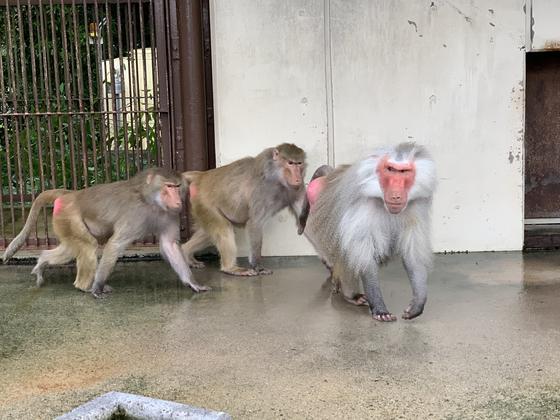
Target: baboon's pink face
{"type": "Point", "coordinates": [171, 196]}
{"type": "Point", "coordinates": [293, 173]}
{"type": "Point", "coordinates": [396, 179]}
{"type": "Point", "coordinates": [291, 169]}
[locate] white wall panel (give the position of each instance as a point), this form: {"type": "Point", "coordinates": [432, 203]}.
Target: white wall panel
{"type": "Point", "coordinates": [448, 74]}
{"type": "Point", "coordinates": [269, 84]}
{"type": "Point", "coordinates": [545, 27]}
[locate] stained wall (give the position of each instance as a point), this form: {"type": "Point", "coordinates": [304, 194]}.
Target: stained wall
{"type": "Point", "coordinates": [340, 77]}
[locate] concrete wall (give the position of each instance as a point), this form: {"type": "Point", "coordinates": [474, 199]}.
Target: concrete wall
{"type": "Point", "coordinates": [341, 77]}
{"type": "Point", "coordinates": [269, 88]}
{"type": "Point", "coordinates": [545, 24]}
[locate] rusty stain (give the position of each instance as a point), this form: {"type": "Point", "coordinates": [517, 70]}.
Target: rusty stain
{"type": "Point", "coordinates": [83, 375]}
{"type": "Point", "coordinates": [552, 45]}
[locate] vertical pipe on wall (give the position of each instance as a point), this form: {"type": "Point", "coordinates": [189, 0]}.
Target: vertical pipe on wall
{"type": "Point", "coordinates": [529, 22]}
{"type": "Point", "coordinates": [193, 116]}
{"type": "Point", "coordinates": [191, 143]}
{"type": "Point", "coordinates": [208, 88]}
{"type": "Point", "coordinates": [328, 81]}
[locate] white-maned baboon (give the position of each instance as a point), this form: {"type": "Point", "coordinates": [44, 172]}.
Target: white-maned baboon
{"type": "Point", "coordinates": [359, 215]}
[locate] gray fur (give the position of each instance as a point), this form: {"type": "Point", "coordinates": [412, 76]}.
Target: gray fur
{"type": "Point", "coordinates": [354, 233]}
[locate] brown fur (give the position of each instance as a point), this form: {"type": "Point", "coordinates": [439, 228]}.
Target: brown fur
{"type": "Point", "coordinates": [114, 214]}
{"type": "Point", "coordinates": [246, 193]}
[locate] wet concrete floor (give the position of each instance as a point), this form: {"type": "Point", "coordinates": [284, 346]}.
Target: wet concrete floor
{"type": "Point", "coordinates": [280, 346]}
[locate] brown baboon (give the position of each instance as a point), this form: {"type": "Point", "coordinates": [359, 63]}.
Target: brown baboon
{"type": "Point", "coordinates": [246, 193]}
{"type": "Point", "coordinates": [114, 214]}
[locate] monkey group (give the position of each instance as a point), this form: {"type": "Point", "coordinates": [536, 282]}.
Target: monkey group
{"type": "Point", "coordinates": [355, 216]}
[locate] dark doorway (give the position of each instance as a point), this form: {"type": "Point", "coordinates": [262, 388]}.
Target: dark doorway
{"type": "Point", "coordinates": [542, 150]}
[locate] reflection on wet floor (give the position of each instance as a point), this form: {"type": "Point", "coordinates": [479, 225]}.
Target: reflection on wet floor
{"type": "Point", "coordinates": [283, 346]}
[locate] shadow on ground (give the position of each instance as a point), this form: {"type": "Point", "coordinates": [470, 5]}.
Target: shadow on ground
{"type": "Point", "coordinates": [282, 346]}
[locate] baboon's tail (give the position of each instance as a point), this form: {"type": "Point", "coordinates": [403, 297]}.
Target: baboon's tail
{"type": "Point", "coordinates": [191, 176]}
{"type": "Point", "coordinates": [46, 197]}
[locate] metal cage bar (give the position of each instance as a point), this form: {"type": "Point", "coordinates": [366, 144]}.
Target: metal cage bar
{"type": "Point", "coordinates": [82, 99]}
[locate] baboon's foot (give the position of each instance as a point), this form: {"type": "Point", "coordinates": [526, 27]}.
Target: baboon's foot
{"type": "Point", "coordinates": [198, 287]}
{"type": "Point", "coordinates": [262, 271]}
{"type": "Point", "coordinates": [101, 292]}
{"type": "Point", "coordinates": [83, 287]}
{"type": "Point", "coordinates": [359, 299]}
{"type": "Point", "coordinates": [413, 311]}
{"type": "Point", "coordinates": [39, 274]}
{"type": "Point", "coordinates": [194, 263]}
{"type": "Point", "coordinates": [40, 280]}
{"type": "Point", "coordinates": [240, 271]}
{"type": "Point", "coordinates": [384, 316]}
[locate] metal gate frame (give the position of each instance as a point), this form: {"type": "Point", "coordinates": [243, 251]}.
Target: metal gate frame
{"type": "Point", "coordinates": [185, 87]}
{"type": "Point", "coordinates": [191, 89]}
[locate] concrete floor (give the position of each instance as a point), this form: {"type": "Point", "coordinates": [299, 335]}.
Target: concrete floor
{"type": "Point", "coordinates": [487, 345]}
